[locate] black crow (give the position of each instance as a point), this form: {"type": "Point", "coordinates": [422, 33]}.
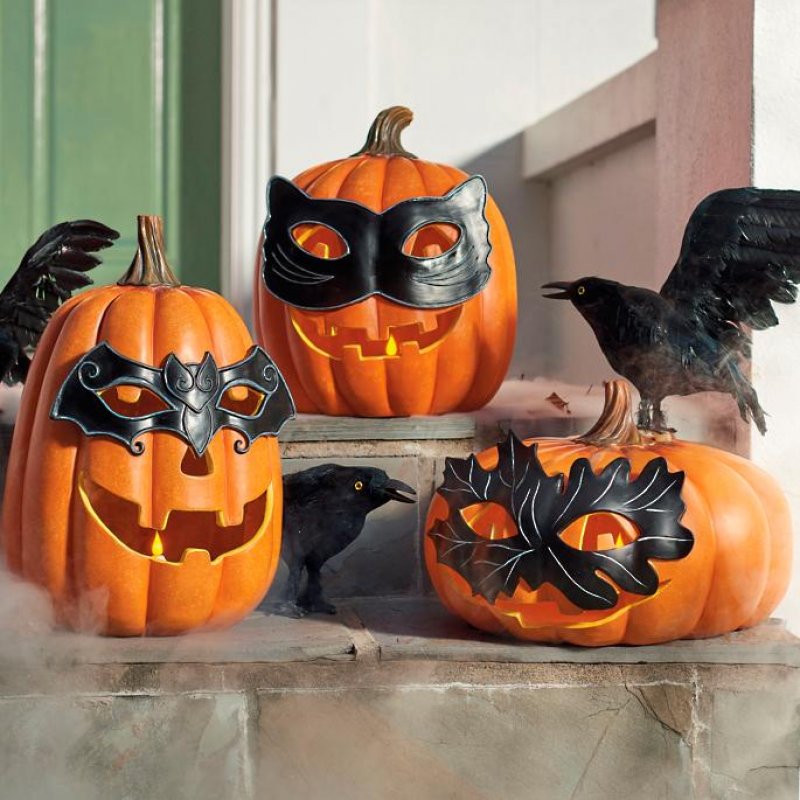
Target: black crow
{"type": "Point", "coordinates": [54, 266]}
{"type": "Point", "coordinates": [740, 254]}
{"type": "Point", "coordinates": [324, 510]}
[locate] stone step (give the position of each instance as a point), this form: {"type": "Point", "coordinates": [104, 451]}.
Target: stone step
{"type": "Point", "coordinates": [395, 698]}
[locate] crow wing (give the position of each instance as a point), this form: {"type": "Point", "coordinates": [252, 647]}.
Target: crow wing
{"type": "Point", "coordinates": [52, 268]}
{"type": "Point", "coordinates": [740, 253]}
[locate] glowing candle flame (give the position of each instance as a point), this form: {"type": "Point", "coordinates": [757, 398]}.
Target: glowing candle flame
{"type": "Point", "coordinates": [620, 541]}
{"type": "Point", "coordinates": [391, 346]}
{"type": "Point", "coordinates": [157, 548]}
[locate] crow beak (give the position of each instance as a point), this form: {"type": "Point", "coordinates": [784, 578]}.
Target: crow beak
{"type": "Point", "coordinates": [563, 294]}
{"type": "Point", "coordinates": [393, 489]}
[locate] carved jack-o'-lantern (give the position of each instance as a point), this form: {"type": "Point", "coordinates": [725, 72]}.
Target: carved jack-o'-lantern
{"type": "Point", "coordinates": [387, 284]}
{"type": "Point", "coordinates": [609, 538]}
{"type": "Point", "coordinates": [144, 485]}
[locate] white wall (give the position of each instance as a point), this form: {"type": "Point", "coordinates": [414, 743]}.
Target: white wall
{"type": "Point", "coordinates": [776, 133]}
{"type": "Point", "coordinates": [603, 223]}
{"type": "Point", "coordinates": [475, 73]}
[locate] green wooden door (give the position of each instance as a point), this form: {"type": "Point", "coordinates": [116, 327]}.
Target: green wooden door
{"type": "Point", "coordinates": [109, 109]}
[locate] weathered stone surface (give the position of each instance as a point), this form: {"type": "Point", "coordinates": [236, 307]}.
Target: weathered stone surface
{"type": "Point", "coordinates": [258, 638]}
{"type": "Point", "coordinates": [319, 428]}
{"type": "Point", "coordinates": [755, 741]}
{"type": "Point", "coordinates": [82, 748]}
{"type": "Point", "coordinates": [384, 560]}
{"type": "Point", "coordinates": [421, 628]}
{"type": "Point", "coordinates": [452, 741]}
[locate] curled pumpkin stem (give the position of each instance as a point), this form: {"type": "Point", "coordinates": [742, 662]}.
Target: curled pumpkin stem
{"type": "Point", "coordinates": [150, 266]}
{"type": "Point", "coordinates": [383, 138]}
{"type": "Point", "coordinates": [616, 425]}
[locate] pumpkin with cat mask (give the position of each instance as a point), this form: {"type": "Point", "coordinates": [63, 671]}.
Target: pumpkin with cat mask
{"type": "Point", "coordinates": [385, 284]}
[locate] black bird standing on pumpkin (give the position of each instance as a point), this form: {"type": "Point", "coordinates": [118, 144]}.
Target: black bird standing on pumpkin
{"type": "Point", "coordinates": [52, 268]}
{"type": "Point", "coordinates": [324, 510]}
{"type": "Point", "coordinates": [740, 254]}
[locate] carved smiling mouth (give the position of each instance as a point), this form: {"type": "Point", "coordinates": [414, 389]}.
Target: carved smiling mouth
{"type": "Point", "coordinates": [331, 340]}
{"type": "Point", "coordinates": [184, 532]}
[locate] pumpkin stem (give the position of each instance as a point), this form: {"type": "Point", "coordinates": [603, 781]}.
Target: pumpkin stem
{"type": "Point", "coordinates": [616, 424]}
{"type": "Point", "coordinates": [383, 138]}
{"type": "Point", "coordinates": [150, 266]}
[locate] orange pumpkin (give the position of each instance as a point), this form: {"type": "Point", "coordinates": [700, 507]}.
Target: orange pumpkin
{"type": "Point", "coordinates": [718, 561]}
{"type": "Point", "coordinates": [377, 358]}
{"type": "Point", "coordinates": [156, 543]}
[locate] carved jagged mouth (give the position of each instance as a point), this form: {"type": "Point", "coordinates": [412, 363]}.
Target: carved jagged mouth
{"type": "Point", "coordinates": [184, 532]}
{"type": "Point", "coordinates": [329, 339]}
{"type": "Point", "coordinates": [551, 613]}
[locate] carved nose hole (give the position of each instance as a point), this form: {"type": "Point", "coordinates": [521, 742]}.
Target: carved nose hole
{"type": "Point", "coordinates": [193, 464]}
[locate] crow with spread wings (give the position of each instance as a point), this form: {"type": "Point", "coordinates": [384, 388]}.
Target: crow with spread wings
{"type": "Point", "coordinates": [740, 254]}
{"type": "Point", "coordinates": [54, 267]}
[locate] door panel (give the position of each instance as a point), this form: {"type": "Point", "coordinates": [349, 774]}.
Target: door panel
{"type": "Point", "coordinates": [99, 117]}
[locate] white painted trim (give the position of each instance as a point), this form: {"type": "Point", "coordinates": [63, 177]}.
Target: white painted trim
{"type": "Point", "coordinates": [612, 115]}
{"type": "Point", "coordinates": [247, 140]}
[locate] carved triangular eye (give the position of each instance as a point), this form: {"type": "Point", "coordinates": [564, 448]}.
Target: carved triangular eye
{"type": "Point", "coordinates": [489, 520]}
{"type": "Point", "coordinates": [129, 400]}
{"type": "Point", "coordinates": [242, 400]}
{"type": "Point", "coordinates": [432, 240]}
{"type": "Point", "coordinates": [319, 240]}
{"type": "Point", "coordinates": [599, 532]}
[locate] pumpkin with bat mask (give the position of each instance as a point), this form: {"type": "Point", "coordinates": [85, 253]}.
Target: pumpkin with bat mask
{"type": "Point", "coordinates": [144, 485]}
{"type": "Point", "coordinates": [385, 284]}
{"type": "Point", "coordinates": [608, 538]}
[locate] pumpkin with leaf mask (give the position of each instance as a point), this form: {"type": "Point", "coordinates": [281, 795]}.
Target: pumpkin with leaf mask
{"type": "Point", "coordinates": [385, 285]}
{"type": "Point", "coordinates": [144, 484]}
{"type": "Point", "coordinates": [615, 537]}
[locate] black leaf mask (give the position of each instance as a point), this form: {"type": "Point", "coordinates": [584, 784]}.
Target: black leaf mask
{"type": "Point", "coordinates": [190, 396]}
{"type": "Point", "coordinates": [541, 509]}
{"type": "Point", "coordinates": [374, 261]}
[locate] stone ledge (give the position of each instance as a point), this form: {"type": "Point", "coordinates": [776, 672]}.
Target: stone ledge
{"type": "Point", "coordinates": [395, 693]}
{"type": "Point", "coordinates": [402, 629]}
{"type": "Point", "coordinates": [411, 628]}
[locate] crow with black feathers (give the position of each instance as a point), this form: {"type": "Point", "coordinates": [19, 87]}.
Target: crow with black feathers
{"type": "Point", "coordinates": [50, 271]}
{"type": "Point", "coordinates": [740, 254]}
{"type": "Point", "coordinates": [324, 510]}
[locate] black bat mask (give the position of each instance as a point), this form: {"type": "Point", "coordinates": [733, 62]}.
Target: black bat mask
{"type": "Point", "coordinates": [541, 509]}
{"type": "Point", "coordinates": [374, 262]}
{"type": "Point", "coordinates": [190, 393]}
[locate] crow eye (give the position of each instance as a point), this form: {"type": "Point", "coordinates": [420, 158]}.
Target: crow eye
{"type": "Point", "coordinates": [358, 486]}
{"type": "Point", "coordinates": [581, 290]}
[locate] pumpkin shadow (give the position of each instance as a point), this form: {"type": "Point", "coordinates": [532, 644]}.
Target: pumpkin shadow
{"type": "Point", "coordinates": [525, 206]}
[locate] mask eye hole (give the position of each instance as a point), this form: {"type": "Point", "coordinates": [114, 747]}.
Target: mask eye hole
{"type": "Point", "coordinates": [319, 240]}
{"type": "Point", "coordinates": [242, 400]}
{"type": "Point", "coordinates": [598, 532]}
{"type": "Point", "coordinates": [489, 520]}
{"type": "Point", "coordinates": [432, 240]}
{"type": "Point", "coordinates": [132, 401]}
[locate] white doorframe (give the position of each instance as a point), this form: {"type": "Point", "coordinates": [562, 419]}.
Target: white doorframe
{"type": "Point", "coordinates": [248, 145]}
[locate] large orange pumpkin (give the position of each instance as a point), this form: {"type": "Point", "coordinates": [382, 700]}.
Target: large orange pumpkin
{"type": "Point", "coordinates": [377, 358]}
{"type": "Point", "coordinates": [697, 541]}
{"type": "Point", "coordinates": [160, 542]}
